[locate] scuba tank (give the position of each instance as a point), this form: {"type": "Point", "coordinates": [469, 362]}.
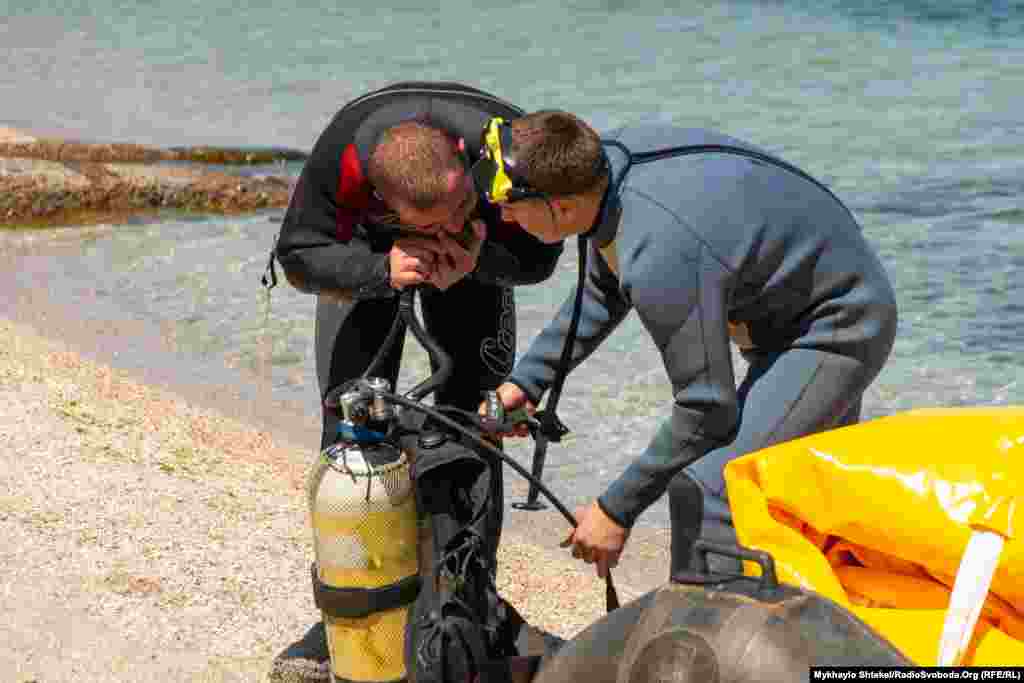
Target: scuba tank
{"type": "Point", "coordinates": [363, 515]}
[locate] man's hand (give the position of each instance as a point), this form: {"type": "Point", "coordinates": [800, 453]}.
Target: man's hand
{"type": "Point", "coordinates": [597, 539]}
{"type": "Point", "coordinates": [512, 398]}
{"type": "Point", "coordinates": [413, 261]}
{"type": "Point", "coordinates": [455, 261]}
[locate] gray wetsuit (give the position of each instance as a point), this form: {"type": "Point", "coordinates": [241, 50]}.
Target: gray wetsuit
{"type": "Point", "coordinates": [719, 246]}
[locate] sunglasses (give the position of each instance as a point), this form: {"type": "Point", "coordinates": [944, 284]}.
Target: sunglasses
{"type": "Point", "coordinates": [494, 175]}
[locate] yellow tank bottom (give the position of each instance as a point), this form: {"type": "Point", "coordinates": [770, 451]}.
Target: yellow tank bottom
{"type": "Point", "coordinates": [376, 550]}
{"type": "Point", "coordinates": [368, 649]}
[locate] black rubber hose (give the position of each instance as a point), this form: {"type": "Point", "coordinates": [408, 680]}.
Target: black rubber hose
{"type": "Point", "coordinates": [445, 366]}
{"type": "Point", "coordinates": [396, 328]}
{"type": "Point", "coordinates": [570, 339]}
{"type": "Point", "coordinates": [551, 421]}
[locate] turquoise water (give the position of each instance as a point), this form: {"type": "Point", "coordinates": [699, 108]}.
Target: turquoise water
{"type": "Point", "coordinates": [912, 111]}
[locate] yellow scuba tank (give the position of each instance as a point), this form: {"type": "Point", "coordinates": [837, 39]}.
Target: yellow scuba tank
{"type": "Point", "coordinates": [365, 540]}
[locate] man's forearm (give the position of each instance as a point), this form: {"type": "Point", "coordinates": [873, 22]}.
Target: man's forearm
{"type": "Point", "coordinates": [647, 477]}
{"type": "Point", "coordinates": [315, 264]}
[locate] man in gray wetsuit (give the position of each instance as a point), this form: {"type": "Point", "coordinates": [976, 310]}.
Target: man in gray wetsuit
{"type": "Point", "coordinates": [709, 239]}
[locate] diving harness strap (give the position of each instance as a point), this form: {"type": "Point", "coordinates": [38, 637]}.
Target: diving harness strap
{"type": "Point", "coordinates": [356, 603]}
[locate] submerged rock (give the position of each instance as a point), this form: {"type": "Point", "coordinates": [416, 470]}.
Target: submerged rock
{"type": "Point", "coordinates": [23, 146]}
{"type": "Point", "coordinates": [48, 182]}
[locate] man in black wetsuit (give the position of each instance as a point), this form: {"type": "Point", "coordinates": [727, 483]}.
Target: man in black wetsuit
{"type": "Point", "coordinates": [385, 202]}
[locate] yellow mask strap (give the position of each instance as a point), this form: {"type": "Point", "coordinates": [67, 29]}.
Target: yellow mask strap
{"type": "Point", "coordinates": [501, 183]}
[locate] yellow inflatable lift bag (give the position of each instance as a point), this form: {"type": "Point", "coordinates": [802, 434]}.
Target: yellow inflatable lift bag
{"type": "Point", "coordinates": [878, 516]}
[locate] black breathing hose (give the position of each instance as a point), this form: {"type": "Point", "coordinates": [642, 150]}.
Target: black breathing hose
{"type": "Point", "coordinates": [406, 317]}
{"type": "Point", "coordinates": [396, 328]}
{"type": "Point", "coordinates": [570, 340]}
{"type": "Point", "coordinates": [407, 312]}
{"type": "Point", "coordinates": [551, 428]}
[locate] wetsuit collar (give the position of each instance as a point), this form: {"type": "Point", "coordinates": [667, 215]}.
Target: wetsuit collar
{"type": "Point", "coordinates": [606, 225]}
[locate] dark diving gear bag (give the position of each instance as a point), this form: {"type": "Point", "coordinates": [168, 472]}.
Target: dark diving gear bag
{"type": "Point", "coordinates": [460, 627]}
{"type": "Point", "coordinates": [706, 627]}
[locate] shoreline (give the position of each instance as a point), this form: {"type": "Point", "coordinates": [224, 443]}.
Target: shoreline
{"type": "Point", "coordinates": [150, 536]}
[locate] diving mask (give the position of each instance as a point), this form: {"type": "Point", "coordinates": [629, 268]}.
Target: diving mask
{"type": "Point", "coordinates": [494, 174]}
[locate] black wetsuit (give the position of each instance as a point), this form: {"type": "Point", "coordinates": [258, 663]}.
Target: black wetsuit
{"type": "Point", "coordinates": [335, 241]}
{"type": "Point", "coordinates": [721, 244]}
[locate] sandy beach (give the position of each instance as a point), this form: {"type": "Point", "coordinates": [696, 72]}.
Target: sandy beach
{"type": "Point", "coordinates": [147, 537]}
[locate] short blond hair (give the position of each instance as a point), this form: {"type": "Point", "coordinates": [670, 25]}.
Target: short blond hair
{"type": "Point", "coordinates": [413, 162]}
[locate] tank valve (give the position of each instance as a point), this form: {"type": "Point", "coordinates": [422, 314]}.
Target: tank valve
{"type": "Point", "coordinates": [380, 409]}
{"type": "Point", "coordinates": [366, 414]}
{"type": "Point", "coordinates": [355, 408]}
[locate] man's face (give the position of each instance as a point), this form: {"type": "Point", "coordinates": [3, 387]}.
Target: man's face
{"type": "Point", "coordinates": [536, 217]}
{"type": "Point", "coordinates": [449, 216]}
